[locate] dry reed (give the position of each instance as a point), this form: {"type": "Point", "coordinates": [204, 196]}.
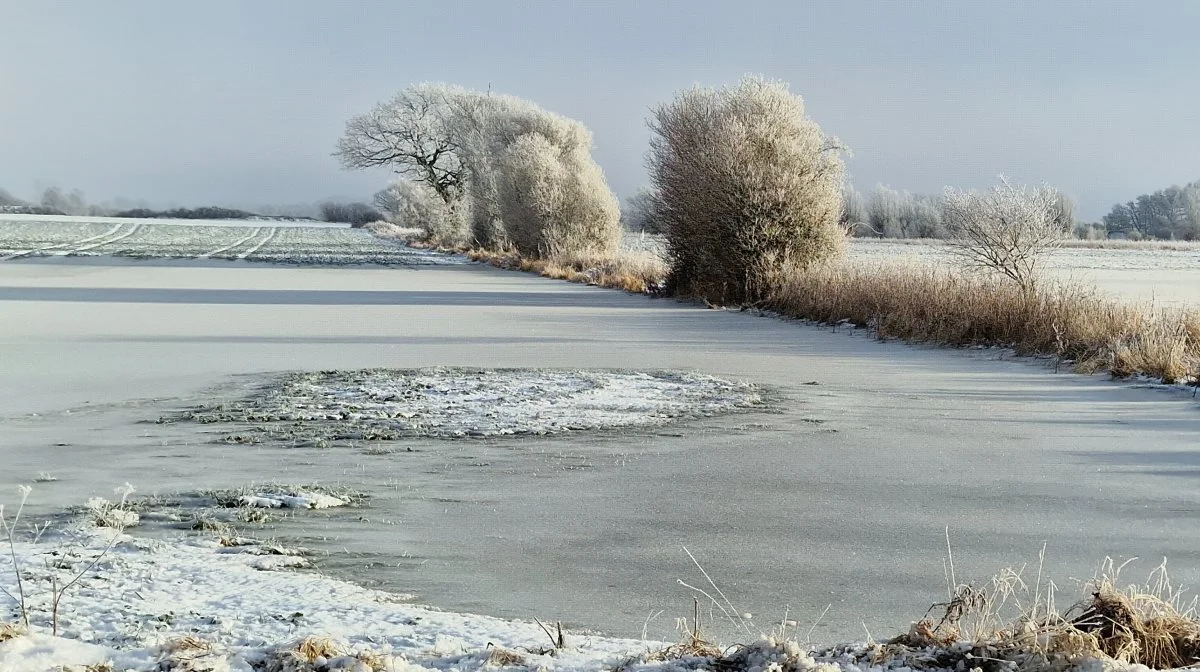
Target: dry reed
{"type": "Point", "coordinates": [933, 305]}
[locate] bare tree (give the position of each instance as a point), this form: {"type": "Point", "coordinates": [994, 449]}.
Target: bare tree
{"type": "Point", "coordinates": [1007, 229]}
{"type": "Point", "coordinates": [409, 135]}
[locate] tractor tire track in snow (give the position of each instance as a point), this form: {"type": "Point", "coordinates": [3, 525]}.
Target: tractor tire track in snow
{"type": "Point", "coordinates": [59, 246]}
{"type": "Point", "coordinates": [116, 239]}
{"type": "Point", "coordinates": [255, 248]}
{"type": "Point", "coordinates": [238, 243]}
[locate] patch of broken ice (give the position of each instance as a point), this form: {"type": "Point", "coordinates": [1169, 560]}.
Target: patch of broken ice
{"type": "Point", "coordinates": [384, 404]}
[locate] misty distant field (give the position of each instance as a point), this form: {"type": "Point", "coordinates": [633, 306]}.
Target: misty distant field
{"type": "Point", "coordinates": [271, 241]}
{"type": "Point", "coordinates": [1164, 276]}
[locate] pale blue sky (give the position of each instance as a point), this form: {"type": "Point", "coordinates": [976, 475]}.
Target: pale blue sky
{"type": "Point", "coordinates": [239, 102]}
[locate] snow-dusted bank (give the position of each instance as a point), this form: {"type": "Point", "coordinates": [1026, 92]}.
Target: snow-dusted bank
{"type": "Point", "coordinates": [96, 599]}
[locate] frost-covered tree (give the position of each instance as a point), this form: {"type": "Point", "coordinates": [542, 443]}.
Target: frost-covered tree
{"type": "Point", "coordinates": [749, 185]}
{"type": "Point", "coordinates": [7, 199]}
{"type": "Point", "coordinates": [464, 144]}
{"type": "Point", "coordinates": [854, 212]}
{"type": "Point", "coordinates": [901, 214]}
{"type": "Point", "coordinates": [1007, 229]}
{"type": "Point", "coordinates": [409, 135]}
{"type": "Point", "coordinates": [497, 134]}
{"type": "Point", "coordinates": [72, 203]}
{"type": "Point", "coordinates": [554, 201]}
{"type": "Point", "coordinates": [640, 212]}
{"type": "Point", "coordinates": [1171, 213]}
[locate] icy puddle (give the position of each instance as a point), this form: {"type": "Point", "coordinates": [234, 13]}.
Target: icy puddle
{"type": "Point", "coordinates": [389, 404]}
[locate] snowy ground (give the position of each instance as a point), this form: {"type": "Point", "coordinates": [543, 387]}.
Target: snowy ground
{"type": "Point", "coordinates": [237, 613]}
{"type": "Point", "coordinates": [839, 494]}
{"type": "Point", "coordinates": [280, 242]}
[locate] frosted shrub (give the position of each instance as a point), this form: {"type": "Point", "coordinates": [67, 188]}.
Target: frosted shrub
{"type": "Point", "coordinates": [1006, 230]}
{"type": "Point", "coordinates": [750, 187]}
{"type": "Point", "coordinates": [416, 205]}
{"type": "Point", "coordinates": [553, 204]}
{"type": "Point", "coordinates": [533, 182]}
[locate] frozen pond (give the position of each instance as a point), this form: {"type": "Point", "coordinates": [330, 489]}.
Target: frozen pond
{"type": "Point", "coordinates": [840, 492]}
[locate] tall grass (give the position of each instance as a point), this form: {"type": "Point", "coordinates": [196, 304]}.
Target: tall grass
{"type": "Point", "coordinates": [927, 304]}
{"type": "Point", "coordinates": [638, 272]}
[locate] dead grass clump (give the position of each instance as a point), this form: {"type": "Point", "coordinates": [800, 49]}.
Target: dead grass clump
{"type": "Point", "coordinates": [638, 272]}
{"type": "Point", "coordinates": [1138, 628]}
{"type": "Point", "coordinates": [10, 631]}
{"type": "Point", "coordinates": [319, 654]}
{"type": "Point", "coordinates": [693, 645]}
{"type": "Point", "coordinates": [1139, 625]}
{"type": "Point", "coordinates": [501, 657]}
{"type": "Point", "coordinates": [190, 654]}
{"type": "Point", "coordinates": [931, 305]}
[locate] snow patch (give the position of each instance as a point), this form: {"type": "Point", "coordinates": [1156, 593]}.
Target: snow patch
{"type": "Point", "coordinates": [298, 500]}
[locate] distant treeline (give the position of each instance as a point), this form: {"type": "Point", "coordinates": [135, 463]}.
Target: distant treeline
{"type": "Point", "coordinates": [1167, 214]}
{"type": "Point", "coordinates": [888, 213]}
{"type": "Point", "coordinates": [185, 213]}
{"type": "Point", "coordinates": [56, 201]}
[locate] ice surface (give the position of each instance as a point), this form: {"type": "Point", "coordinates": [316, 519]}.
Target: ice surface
{"type": "Point", "coordinates": [840, 494]}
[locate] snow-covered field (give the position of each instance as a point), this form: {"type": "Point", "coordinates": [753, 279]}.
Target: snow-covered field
{"type": "Point", "coordinates": [274, 241]}
{"type": "Point", "coordinates": [1164, 276]}
{"type": "Point", "coordinates": [838, 493]}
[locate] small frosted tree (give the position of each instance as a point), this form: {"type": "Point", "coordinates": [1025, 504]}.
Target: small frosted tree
{"type": "Point", "coordinates": [640, 212]}
{"type": "Point", "coordinates": [1006, 230]}
{"type": "Point", "coordinates": [417, 205]}
{"type": "Point", "coordinates": [749, 189]}
{"type": "Point", "coordinates": [854, 217]}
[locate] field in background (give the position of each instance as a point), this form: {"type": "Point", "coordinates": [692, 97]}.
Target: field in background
{"type": "Point", "coordinates": [271, 241]}
{"type": "Point", "coordinates": [1166, 274]}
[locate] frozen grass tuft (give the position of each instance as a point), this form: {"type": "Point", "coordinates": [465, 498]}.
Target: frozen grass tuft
{"type": "Point", "coordinates": [323, 654]}
{"type": "Point", "coordinates": [248, 499]}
